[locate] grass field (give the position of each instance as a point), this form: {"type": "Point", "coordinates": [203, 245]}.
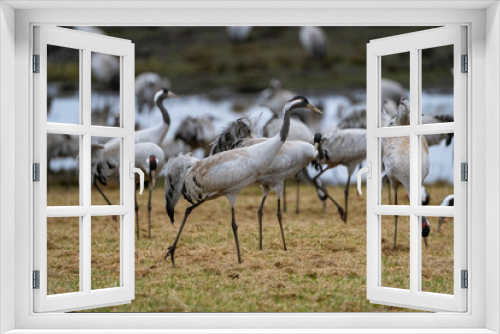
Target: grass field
{"type": "Point", "coordinates": [323, 270]}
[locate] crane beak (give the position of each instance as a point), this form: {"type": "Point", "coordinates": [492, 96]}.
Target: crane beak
{"type": "Point", "coordinates": [313, 108]}
{"type": "Point", "coordinates": [171, 94]}
{"type": "Point", "coordinates": [425, 241]}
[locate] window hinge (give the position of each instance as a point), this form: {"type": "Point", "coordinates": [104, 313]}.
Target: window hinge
{"type": "Point", "coordinates": [36, 63]}
{"type": "Point", "coordinates": [464, 171]}
{"type": "Point", "coordinates": [36, 279]}
{"type": "Point", "coordinates": [36, 172]}
{"type": "Point", "coordinates": [465, 279]}
{"type": "Point", "coordinates": [465, 64]}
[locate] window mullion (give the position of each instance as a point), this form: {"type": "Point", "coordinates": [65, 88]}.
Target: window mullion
{"type": "Point", "coordinates": [86, 175]}
{"type": "Point", "coordinates": [415, 168]}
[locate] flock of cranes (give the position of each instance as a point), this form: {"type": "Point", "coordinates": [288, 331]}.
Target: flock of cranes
{"type": "Point", "coordinates": [234, 159]}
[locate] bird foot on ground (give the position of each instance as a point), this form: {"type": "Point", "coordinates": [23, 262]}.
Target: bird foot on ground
{"type": "Point", "coordinates": [342, 214]}
{"type": "Point", "coordinates": [171, 251]}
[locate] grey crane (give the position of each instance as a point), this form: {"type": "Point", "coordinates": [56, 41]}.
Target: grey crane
{"type": "Point", "coordinates": [275, 96]}
{"type": "Point", "coordinates": [223, 174]}
{"type": "Point", "coordinates": [106, 164]}
{"type": "Point", "coordinates": [298, 131]}
{"type": "Point", "coordinates": [156, 134]}
{"type": "Point", "coordinates": [436, 139]}
{"type": "Point", "coordinates": [105, 160]}
{"type": "Point", "coordinates": [149, 158]}
{"type": "Point", "coordinates": [342, 147]}
{"type": "Point", "coordinates": [352, 117]}
{"type": "Point", "coordinates": [391, 90]}
{"type": "Point", "coordinates": [292, 158]}
{"type": "Point", "coordinates": [197, 132]}
{"type": "Point", "coordinates": [146, 86]}
{"type": "Point", "coordinates": [396, 159]}
{"type": "Point", "coordinates": [61, 145]}
{"type": "Point", "coordinates": [173, 147]}
{"type": "Point", "coordinates": [314, 41]}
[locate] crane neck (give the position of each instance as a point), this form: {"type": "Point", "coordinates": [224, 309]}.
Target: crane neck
{"type": "Point", "coordinates": [164, 112]}
{"type": "Point", "coordinates": [285, 128]}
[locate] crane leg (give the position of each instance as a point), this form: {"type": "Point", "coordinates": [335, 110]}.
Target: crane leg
{"type": "Point", "coordinates": [319, 192]}
{"type": "Point", "coordinates": [171, 249]}
{"type": "Point", "coordinates": [260, 213]}
{"type": "Point", "coordinates": [103, 195]}
{"type": "Point", "coordinates": [346, 196]}
{"type": "Point", "coordinates": [235, 232]}
{"type": "Point", "coordinates": [339, 208]}
{"type": "Point", "coordinates": [395, 218]}
{"type": "Point", "coordinates": [298, 194]}
{"type": "Point", "coordinates": [149, 209]}
{"type": "Point", "coordinates": [385, 179]}
{"type": "Point", "coordinates": [281, 225]}
{"type": "Point", "coordinates": [136, 211]}
{"type": "Point", "coordinates": [284, 196]}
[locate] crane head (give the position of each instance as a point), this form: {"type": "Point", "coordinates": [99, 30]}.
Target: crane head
{"type": "Point", "coordinates": [426, 229]}
{"type": "Point", "coordinates": [426, 198]}
{"type": "Point", "coordinates": [153, 163]}
{"type": "Point", "coordinates": [164, 93]}
{"type": "Point", "coordinates": [300, 101]}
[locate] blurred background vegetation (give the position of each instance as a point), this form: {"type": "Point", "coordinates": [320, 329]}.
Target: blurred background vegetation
{"type": "Point", "coordinates": [203, 60]}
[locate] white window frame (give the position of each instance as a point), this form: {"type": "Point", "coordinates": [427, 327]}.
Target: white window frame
{"type": "Point", "coordinates": [483, 21]}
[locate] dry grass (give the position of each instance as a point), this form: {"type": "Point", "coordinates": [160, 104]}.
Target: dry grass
{"type": "Point", "coordinates": [323, 269]}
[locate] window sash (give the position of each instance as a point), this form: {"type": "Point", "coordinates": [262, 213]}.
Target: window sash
{"type": "Point", "coordinates": [413, 43]}
{"type": "Point", "coordinates": [86, 43]}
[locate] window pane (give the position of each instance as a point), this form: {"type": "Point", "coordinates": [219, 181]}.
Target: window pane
{"type": "Point", "coordinates": [105, 96]}
{"type": "Point", "coordinates": [395, 170]}
{"type": "Point", "coordinates": [395, 264]}
{"type": "Point", "coordinates": [439, 171]}
{"type": "Point", "coordinates": [63, 255]}
{"type": "Point", "coordinates": [437, 257]}
{"type": "Point", "coordinates": [105, 252]}
{"type": "Point", "coordinates": [437, 85]}
{"type": "Point", "coordinates": [63, 83]}
{"type": "Point", "coordinates": [395, 83]}
{"type": "Point", "coordinates": [105, 171]}
{"type": "Point", "coordinates": [63, 173]}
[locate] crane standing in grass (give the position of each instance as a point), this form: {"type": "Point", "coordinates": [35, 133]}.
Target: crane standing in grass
{"type": "Point", "coordinates": [298, 131]}
{"type": "Point", "coordinates": [292, 158]}
{"type": "Point", "coordinates": [396, 159]}
{"type": "Point", "coordinates": [223, 174]}
{"type": "Point", "coordinates": [342, 147]}
{"type": "Point", "coordinates": [105, 157]}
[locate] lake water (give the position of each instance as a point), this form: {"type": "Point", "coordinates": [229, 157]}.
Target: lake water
{"type": "Point", "coordinates": [441, 156]}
